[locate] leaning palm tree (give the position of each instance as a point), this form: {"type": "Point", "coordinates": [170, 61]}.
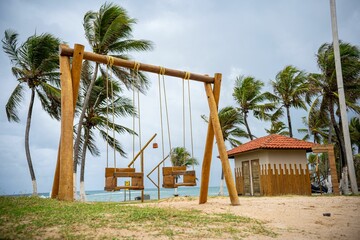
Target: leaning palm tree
{"type": "Point", "coordinates": [35, 64]}
{"type": "Point", "coordinates": [323, 86]}
{"type": "Point", "coordinates": [289, 89]}
{"type": "Point", "coordinates": [247, 93]}
{"type": "Point", "coordinates": [105, 103]}
{"type": "Point", "coordinates": [230, 121]}
{"type": "Point", "coordinates": [109, 32]}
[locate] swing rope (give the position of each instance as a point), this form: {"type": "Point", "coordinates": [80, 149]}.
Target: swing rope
{"type": "Point", "coordinates": [110, 62]}
{"type": "Point", "coordinates": [135, 76]}
{"type": "Point", "coordinates": [161, 117]}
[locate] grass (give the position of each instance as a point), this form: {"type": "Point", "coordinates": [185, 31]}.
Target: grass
{"type": "Point", "coordinates": [37, 218]}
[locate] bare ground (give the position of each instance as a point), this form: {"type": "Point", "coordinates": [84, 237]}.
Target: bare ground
{"type": "Point", "coordinates": [292, 217]}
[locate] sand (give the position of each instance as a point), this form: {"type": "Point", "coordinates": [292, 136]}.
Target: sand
{"type": "Point", "coordinates": [291, 217]}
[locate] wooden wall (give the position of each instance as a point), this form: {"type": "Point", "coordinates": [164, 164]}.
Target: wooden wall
{"type": "Point", "coordinates": [279, 180]}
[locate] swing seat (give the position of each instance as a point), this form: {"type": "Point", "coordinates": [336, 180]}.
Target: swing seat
{"type": "Point", "coordinates": [171, 173]}
{"type": "Point", "coordinates": [112, 175]}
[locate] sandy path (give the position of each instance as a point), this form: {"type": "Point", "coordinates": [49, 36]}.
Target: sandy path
{"type": "Point", "coordinates": [292, 217]}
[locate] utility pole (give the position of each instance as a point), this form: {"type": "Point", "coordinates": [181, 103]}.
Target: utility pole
{"type": "Point", "coordinates": [344, 118]}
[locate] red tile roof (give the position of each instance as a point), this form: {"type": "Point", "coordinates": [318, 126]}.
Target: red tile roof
{"type": "Point", "coordinates": [273, 141]}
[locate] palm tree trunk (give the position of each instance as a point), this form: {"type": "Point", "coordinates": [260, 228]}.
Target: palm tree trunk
{"type": "Point", "coordinates": [82, 170]}
{"type": "Point", "coordinates": [79, 127]}
{"type": "Point", "coordinates": [27, 147]}
{"type": "Point", "coordinates": [289, 121]}
{"type": "Point", "coordinates": [247, 126]}
{"type": "Point", "coordinates": [221, 192]}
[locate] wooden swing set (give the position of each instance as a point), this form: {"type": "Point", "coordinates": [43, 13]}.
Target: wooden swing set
{"type": "Point", "coordinates": [70, 72]}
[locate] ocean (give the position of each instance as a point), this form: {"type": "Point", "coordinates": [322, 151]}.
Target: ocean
{"type": "Point", "coordinates": [122, 196]}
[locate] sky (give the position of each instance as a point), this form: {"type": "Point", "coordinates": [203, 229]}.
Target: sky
{"type": "Point", "coordinates": [234, 37]}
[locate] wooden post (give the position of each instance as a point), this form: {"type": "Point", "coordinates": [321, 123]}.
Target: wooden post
{"type": "Point", "coordinates": [205, 172]}
{"type": "Point", "coordinates": [66, 144]}
{"type": "Point", "coordinates": [330, 151]}
{"type": "Point", "coordinates": [75, 75]}
{"type": "Point", "coordinates": [221, 146]}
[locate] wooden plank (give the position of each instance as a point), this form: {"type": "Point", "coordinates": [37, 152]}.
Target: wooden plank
{"type": "Point", "coordinates": [66, 51]}
{"type": "Point", "coordinates": [184, 184]}
{"type": "Point", "coordinates": [206, 165]}
{"type": "Point", "coordinates": [221, 146]}
{"type": "Point", "coordinates": [117, 188]}
{"type": "Point", "coordinates": [67, 117]}
{"type": "Point", "coordinates": [109, 172]}
{"type": "Point", "coordinates": [128, 174]}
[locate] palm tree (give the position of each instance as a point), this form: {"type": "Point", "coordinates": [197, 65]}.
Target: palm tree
{"type": "Point", "coordinates": [278, 128]}
{"type": "Point", "coordinates": [247, 93]}
{"type": "Point", "coordinates": [105, 102]}
{"type": "Point", "coordinates": [230, 119]}
{"type": "Point", "coordinates": [289, 88]}
{"type": "Point", "coordinates": [315, 127]}
{"type": "Point", "coordinates": [35, 64]}
{"type": "Point", "coordinates": [108, 31]}
{"type": "Point", "coordinates": [179, 156]}
{"type": "Point", "coordinates": [323, 85]}
{"type": "Point", "coordinates": [354, 128]}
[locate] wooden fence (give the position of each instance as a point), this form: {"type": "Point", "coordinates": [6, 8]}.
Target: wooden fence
{"type": "Point", "coordinates": [279, 180]}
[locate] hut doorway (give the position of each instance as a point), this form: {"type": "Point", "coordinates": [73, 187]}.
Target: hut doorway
{"type": "Point", "coordinates": [251, 174]}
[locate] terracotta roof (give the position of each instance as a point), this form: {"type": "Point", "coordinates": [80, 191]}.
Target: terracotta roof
{"type": "Point", "coordinates": [273, 141]}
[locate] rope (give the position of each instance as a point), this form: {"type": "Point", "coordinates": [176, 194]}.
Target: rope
{"type": "Point", "coordinates": [191, 129]}
{"type": "Point", "coordinates": [161, 118]}
{"type": "Point", "coordinates": [167, 112]}
{"type": "Point", "coordinates": [186, 77]}
{"type": "Point", "coordinates": [110, 62]}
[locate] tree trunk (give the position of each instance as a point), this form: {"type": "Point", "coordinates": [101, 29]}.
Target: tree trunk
{"type": "Point", "coordinates": [221, 191]}
{"type": "Point", "coordinates": [247, 126]}
{"type": "Point", "coordinates": [27, 147]}
{"type": "Point", "coordinates": [289, 120]}
{"type": "Point", "coordinates": [82, 170]}
{"type": "Point", "coordinates": [338, 134]}
{"type": "Point", "coordinates": [79, 127]}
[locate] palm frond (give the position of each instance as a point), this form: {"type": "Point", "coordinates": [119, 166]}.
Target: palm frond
{"type": "Point", "coordinates": [13, 103]}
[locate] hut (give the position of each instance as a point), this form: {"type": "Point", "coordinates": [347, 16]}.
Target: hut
{"type": "Point", "coordinates": [272, 165]}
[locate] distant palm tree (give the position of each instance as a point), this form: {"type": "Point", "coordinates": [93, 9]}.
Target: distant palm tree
{"type": "Point", "coordinates": [105, 102]}
{"type": "Point", "coordinates": [247, 93]}
{"type": "Point", "coordinates": [179, 156]}
{"type": "Point", "coordinates": [354, 128]}
{"type": "Point", "coordinates": [289, 89]}
{"type": "Point", "coordinates": [323, 85]}
{"type": "Point", "coordinates": [316, 127]}
{"type": "Point", "coordinates": [109, 32]}
{"type": "Point", "coordinates": [278, 128]}
{"type": "Point", "coordinates": [35, 64]}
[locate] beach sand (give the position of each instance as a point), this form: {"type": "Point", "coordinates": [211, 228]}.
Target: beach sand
{"type": "Point", "coordinates": [291, 217]}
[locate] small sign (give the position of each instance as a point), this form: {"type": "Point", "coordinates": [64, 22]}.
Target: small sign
{"type": "Point", "coordinates": [127, 183]}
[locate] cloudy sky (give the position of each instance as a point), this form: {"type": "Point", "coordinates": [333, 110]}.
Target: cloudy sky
{"type": "Point", "coordinates": [257, 38]}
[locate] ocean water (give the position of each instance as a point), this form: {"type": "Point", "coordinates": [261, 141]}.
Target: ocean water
{"type": "Point", "coordinates": [121, 196]}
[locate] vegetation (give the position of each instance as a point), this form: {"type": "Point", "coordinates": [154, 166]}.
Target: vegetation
{"type": "Point", "coordinates": [179, 156]}
{"type": "Point", "coordinates": [109, 32]}
{"type": "Point", "coordinates": [105, 103]}
{"type": "Point", "coordinates": [32, 218]}
{"type": "Point", "coordinates": [35, 65]}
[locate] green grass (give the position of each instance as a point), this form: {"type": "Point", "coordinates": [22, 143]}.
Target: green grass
{"type": "Point", "coordinates": [31, 217]}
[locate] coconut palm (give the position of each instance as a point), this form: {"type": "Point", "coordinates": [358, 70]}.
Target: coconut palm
{"type": "Point", "coordinates": [323, 85]}
{"type": "Point", "coordinates": [179, 156]}
{"type": "Point", "coordinates": [278, 128]}
{"type": "Point", "coordinates": [354, 128]}
{"type": "Point", "coordinates": [109, 32]}
{"type": "Point", "coordinates": [316, 127]}
{"type": "Point", "coordinates": [35, 65]}
{"type": "Point", "coordinates": [289, 89]}
{"type": "Point", "coordinates": [105, 102]}
{"type": "Point", "coordinates": [247, 93]}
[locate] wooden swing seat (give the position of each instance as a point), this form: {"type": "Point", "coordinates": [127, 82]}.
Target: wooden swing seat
{"type": "Point", "coordinates": [171, 173]}
{"type": "Point", "coordinates": [112, 175]}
